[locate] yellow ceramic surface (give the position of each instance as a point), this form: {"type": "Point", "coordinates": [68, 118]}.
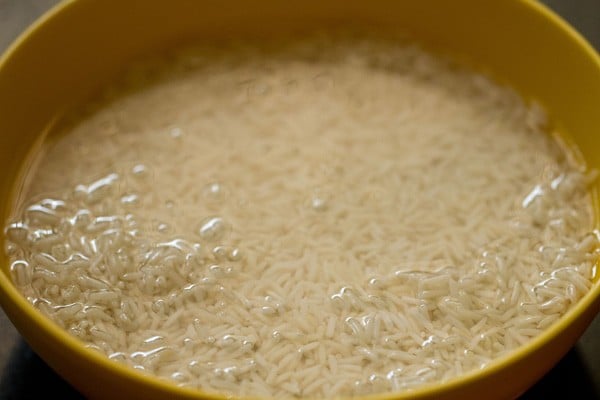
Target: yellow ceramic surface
{"type": "Point", "coordinates": [80, 45]}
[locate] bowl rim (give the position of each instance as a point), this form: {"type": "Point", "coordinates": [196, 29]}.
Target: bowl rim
{"type": "Point", "coordinates": [55, 333]}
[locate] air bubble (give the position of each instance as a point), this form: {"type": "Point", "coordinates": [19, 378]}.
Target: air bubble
{"type": "Point", "coordinates": [377, 380]}
{"type": "Point", "coordinates": [53, 204]}
{"type": "Point", "coordinates": [39, 214]}
{"type": "Point", "coordinates": [217, 271]}
{"type": "Point", "coordinates": [130, 200]}
{"type": "Point", "coordinates": [267, 310]}
{"type": "Point", "coordinates": [276, 335]}
{"type": "Point", "coordinates": [175, 132]}
{"type": "Point", "coordinates": [97, 190]}
{"type": "Point", "coordinates": [119, 356]}
{"type": "Point", "coordinates": [152, 340]}
{"type": "Point", "coordinates": [82, 219]}
{"type": "Point", "coordinates": [44, 239]}
{"type": "Point", "coordinates": [214, 191]}
{"type": "Point", "coordinates": [211, 340]}
{"type": "Point", "coordinates": [377, 283]}
{"type": "Point", "coordinates": [208, 281]}
{"type": "Point", "coordinates": [338, 301]}
{"type": "Point", "coordinates": [212, 229]}
{"type": "Point", "coordinates": [220, 252]}
{"type": "Point", "coordinates": [10, 249]}
{"type": "Point", "coordinates": [139, 170]}
{"type": "Point", "coordinates": [178, 377]}
{"type": "Point", "coordinates": [162, 227]}
{"type": "Point", "coordinates": [188, 343]}
{"type": "Point", "coordinates": [431, 340]}
{"type": "Point", "coordinates": [17, 232]}
{"type": "Point", "coordinates": [227, 341]}
{"type": "Point", "coordinates": [235, 254]}
{"type": "Point", "coordinates": [159, 306]}
{"type": "Point", "coordinates": [318, 203]}
{"type": "Point", "coordinates": [21, 272]}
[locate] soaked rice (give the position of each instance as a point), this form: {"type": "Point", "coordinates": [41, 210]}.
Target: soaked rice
{"type": "Point", "coordinates": [329, 218]}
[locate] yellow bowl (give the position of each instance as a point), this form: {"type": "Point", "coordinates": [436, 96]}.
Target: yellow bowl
{"type": "Point", "coordinates": [80, 45]}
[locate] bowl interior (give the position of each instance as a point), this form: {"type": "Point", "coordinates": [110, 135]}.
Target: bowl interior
{"type": "Point", "coordinates": [81, 45]}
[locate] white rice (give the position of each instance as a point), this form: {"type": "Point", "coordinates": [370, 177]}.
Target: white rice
{"type": "Point", "coordinates": [329, 218]}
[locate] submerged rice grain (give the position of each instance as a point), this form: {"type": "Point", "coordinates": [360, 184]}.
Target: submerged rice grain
{"type": "Point", "coordinates": [326, 219]}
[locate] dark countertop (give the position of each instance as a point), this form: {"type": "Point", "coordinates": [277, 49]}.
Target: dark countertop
{"type": "Point", "coordinates": [23, 375]}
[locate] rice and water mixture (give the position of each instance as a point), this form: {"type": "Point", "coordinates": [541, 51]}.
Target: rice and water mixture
{"type": "Point", "coordinates": [325, 218]}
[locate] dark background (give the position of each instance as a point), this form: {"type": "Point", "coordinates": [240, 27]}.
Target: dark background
{"type": "Point", "coordinates": [23, 375]}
